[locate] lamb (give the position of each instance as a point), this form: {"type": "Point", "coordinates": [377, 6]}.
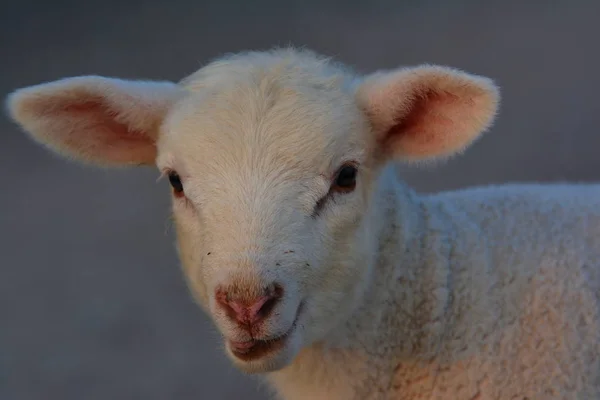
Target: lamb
{"type": "Point", "coordinates": [326, 274]}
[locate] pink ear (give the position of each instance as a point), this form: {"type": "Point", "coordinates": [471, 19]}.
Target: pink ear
{"type": "Point", "coordinates": [427, 112]}
{"type": "Point", "coordinates": [95, 119]}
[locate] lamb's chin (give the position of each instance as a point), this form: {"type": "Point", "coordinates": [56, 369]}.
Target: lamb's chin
{"type": "Point", "coordinates": [272, 358]}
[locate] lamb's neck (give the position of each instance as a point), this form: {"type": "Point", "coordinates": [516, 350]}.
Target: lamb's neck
{"type": "Point", "coordinates": [432, 285]}
{"type": "Point", "coordinates": [409, 309]}
{"type": "Point", "coordinates": [405, 309]}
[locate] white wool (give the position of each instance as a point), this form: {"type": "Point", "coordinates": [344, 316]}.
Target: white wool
{"type": "Point", "coordinates": [485, 293]}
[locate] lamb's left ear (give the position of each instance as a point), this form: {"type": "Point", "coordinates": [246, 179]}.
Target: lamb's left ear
{"type": "Point", "coordinates": [427, 112]}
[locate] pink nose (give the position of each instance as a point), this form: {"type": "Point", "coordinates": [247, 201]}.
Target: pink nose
{"type": "Point", "coordinates": [249, 310]}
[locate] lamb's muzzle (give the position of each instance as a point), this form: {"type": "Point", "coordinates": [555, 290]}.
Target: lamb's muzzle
{"type": "Point", "coordinates": [255, 319]}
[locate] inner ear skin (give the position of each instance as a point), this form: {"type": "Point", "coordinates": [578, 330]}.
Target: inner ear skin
{"type": "Point", "coordinates": [102, 129]}
{"type": "Point", "coordinates": [103, 115]}
{"type": "Point", "coordinates": [407, 123]}
{"type": "Point", "coordinates": [420, 126]}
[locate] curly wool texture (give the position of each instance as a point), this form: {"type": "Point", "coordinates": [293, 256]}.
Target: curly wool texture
{"type": "Point", "coordinates": [481, 293]}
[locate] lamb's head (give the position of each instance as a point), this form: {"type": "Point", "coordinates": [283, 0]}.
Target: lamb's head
{"type": "Point", "coordinates": [272, 158]}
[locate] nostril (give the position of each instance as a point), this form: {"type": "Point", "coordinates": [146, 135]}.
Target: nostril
{"type": "Point", "coordinates": [273, 294]}
{"type": "Point", "coordinates": [222, 297]}
{"type": "Point", "coordinates": [223, 300]}
{"type": "Point", "coordinates": [267, 308]}
{"type": "Point", "coordinates": [276, 290]}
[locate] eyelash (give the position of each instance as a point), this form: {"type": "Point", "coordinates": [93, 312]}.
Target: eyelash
{"type": "Point", "coordinates": [177, 187]}
{"type": "Point", "coordinates": [176, 184]}
{"type": "Point", "coordinates": [345, 172]}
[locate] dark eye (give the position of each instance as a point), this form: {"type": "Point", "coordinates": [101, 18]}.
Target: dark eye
{"type": "Point", "coordinates": [345, 182]}
{"type": "Point", "coordinates": [175, 182]}
{"type": "Point", "coordinates": [346, 179]}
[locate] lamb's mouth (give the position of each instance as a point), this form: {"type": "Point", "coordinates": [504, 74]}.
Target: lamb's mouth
{"type": "Point", "coordinates": [258, 348]}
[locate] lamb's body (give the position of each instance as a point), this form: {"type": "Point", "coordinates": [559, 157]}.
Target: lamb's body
{"type": "Point", "coordinates": [483, 293]}
{"type": "Point", "coordinates": [318, 265]}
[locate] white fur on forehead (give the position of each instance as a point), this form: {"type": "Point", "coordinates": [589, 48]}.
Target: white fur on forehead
{"type": "Point", "coordinates": [294, 66]}
{"type": "Point", "coordinates": [282, 108]}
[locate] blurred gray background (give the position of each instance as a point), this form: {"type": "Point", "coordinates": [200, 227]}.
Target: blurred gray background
{"type": "Point", "coordinates": [92, 301]}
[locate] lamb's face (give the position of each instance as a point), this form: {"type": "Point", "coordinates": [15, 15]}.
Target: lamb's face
{"type": "Point", "coordinates": [269, 191]}
{"type": "Point", "coordinates": [272, 158]}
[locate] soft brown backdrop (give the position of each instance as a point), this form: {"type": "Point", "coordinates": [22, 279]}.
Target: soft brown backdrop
{"type": "Point", "coordinates": [92, 303]}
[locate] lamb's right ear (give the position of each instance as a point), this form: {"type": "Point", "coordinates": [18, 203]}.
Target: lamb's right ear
{"type": "Point", "coordinates": [93, 119]}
